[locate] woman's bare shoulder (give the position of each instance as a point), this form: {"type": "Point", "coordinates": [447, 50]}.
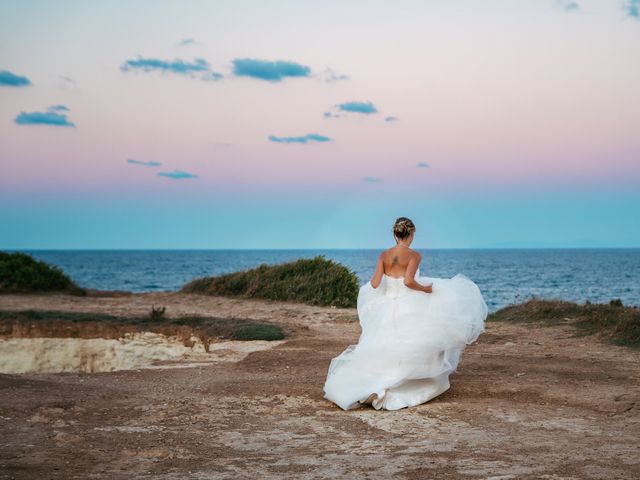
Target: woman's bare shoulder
{"type": "Point", "coordinates": [392, 250]}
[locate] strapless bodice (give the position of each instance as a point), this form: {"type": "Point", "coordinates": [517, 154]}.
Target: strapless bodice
{"type": "Point", "coordinates": [394, 286]}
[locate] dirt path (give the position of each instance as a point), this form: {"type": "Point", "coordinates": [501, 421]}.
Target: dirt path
{"type": "Point", "coordinates": [526, 402]}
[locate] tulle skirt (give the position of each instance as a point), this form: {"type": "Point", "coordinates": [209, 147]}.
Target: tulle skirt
{"type": "Point", "coordinates": [410, 342]}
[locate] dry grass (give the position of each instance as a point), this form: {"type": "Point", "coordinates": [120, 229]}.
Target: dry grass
{"type": "Point", "coordinates": [31, 324]}
{"type": "Point", "coordinates": [613, 321]}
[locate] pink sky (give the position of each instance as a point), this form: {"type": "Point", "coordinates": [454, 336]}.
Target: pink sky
{"type": "Point", "coordinates": [495, 96]}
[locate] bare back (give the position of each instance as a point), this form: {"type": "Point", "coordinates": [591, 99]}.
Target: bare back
{"type": "Point", "coordinates": [396, 260]}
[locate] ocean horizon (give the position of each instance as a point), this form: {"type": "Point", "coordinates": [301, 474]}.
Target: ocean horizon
{"type": "Point", "coordinates": [504, 275]}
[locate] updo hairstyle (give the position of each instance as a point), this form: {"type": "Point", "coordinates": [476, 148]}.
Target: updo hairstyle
{"type": "Point", "coordinates": [403, 228]}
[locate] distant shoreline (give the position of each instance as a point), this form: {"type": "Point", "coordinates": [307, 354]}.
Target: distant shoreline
{"type": "Point", "coordinates": [505, 276]}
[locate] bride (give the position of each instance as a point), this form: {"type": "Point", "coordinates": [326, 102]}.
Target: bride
{"type": "Point", "coordinates": [414, 329]}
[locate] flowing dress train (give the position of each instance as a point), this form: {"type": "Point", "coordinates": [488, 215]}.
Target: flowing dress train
{"type": "Point", "coordinates": [410, 342]}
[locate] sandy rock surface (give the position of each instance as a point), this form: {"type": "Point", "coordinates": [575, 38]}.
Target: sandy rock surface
{"type": "Point", "coordinates": [526, 402]}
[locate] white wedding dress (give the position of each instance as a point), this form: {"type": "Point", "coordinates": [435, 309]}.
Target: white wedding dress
{"type": "Point", "coordinates": [410, 342]}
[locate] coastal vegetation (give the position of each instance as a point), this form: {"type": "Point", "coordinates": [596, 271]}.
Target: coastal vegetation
{"type": "Point", "coordinates": [21, 273]}
{"type": "Point", "coordinates": [315, 281]}
{"type": "Point", "coordinates": [613, 321]}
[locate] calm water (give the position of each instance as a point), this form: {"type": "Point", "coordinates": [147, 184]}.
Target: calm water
{"type": "Point", "coordinates": [504, 276]}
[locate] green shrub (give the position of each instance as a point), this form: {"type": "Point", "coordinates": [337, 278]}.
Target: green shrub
{"type": "Point", "coordinates": [21, 273]}
{"type": "Point", "coordinates": [315, 281]}
{"type": "Point", "coordinates": [258, 331]}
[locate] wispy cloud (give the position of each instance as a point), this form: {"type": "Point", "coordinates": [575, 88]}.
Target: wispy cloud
{"type": "Point", "coordinates": [57, 108]}
{"type": "Point", "coordinates": [632, 8]}
{"type": "Point", "coordinates": [331, 115]}
{"type": "Point", "coordinates": [66, 83]}
{"type": "Point", "coordinates": [304, 139]}
{"type": "Point", "coordinates": [366, 108]}
{"type": "Point", "coordinates": [390, 119]}
{"type": "Point", "coordinates": [52, 116]}
{"type": "Point", "coordinates": [331, 76]}
{"type": "Point", "coordinates": [150, 163]}
{"type": "Point", "coordinates": [185, 42]}
{"type": "Point", "coordinates": [369, 179]}
{"type": "Point", "coordinates": [569, 5]}
{"type": "Point", "coordinates": [422, 165]}
{"type": "Point", "coordinates": [177, 175]}
{"type": "Point", "coordinates": [198, 68]}
{"type": "Point", "coordinates": [270, 71]}
{"type": "Point", "coordinates": [8, 79]}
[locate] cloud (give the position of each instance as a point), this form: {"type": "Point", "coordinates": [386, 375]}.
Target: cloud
{"type": "Point", "coordinates": [331, 76]}
{"type": "Point", "coordinates": [198, 68]}
{"type": "Point", "coordinates": [186, 42]}
{"type": "Point", "coordinates": [632, 8]}
{"type": "Point", "coordinates": [302, 139]}
{"type": "Point", "coordinates": [8, 79]}
{"type": "Point", "coordinates": [366, 108]}
{"type": "Point", "coordinates": [144, 164]}
{"type": "Point", "coordinates": [211, 76]}
{"type": "Point", "coordinates": [66, 83]}
{"type": "Point", "coordinates": [569, 5]}
{"type": "Point", "coordinates": [268, 70]}
{"type": "Point", "coordinates": [177, 175]}
{"type": "Point", "coordinates": [390, 119]}
{"type": "Point", "coordinates": [371, 179]}
{"type": "Point", "coordinates": [51, 116]}
{"type": "Point", "coordinates": [57, 108]}
{"type": "Point", "coordinates": [422, 165]}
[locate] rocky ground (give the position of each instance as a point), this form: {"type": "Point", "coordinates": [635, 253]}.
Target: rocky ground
{"type": "Point", "coordinates": [526, 402]}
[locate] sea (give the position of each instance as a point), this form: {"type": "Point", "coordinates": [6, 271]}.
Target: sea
{"type": "Point", "coordinates": [504, 276]}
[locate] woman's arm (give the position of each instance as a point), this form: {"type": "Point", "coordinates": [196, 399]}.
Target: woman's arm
{"type": "Point", "coordinates": [377, 276]}
{"type": "Point", "coordinates": [410, 273]}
